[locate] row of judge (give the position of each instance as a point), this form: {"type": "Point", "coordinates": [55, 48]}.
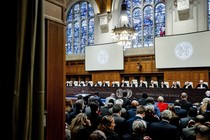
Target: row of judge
{"type": "Point", "coordinates": [175, 84]}
{"type": "Point", "coordinates": [142, 84]}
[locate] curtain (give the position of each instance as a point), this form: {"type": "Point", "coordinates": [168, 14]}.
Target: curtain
{"type": "Point", "coordinates": [29, 90]}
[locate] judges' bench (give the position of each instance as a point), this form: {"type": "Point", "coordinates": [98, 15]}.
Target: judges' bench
{"type": "Point", "coordinates": [170, 95]}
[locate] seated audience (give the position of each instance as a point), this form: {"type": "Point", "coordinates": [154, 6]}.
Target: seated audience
{"type": "Point", "coordinates": [188, 133]}
{"type": "Point", "coordinates": [140, 113]}
{"type": "Point", "coordinates": [184, 103]}
{"type": "Point", "coordinates": [163, 130]}
{"type": "Point", "coordinates": [202, 132]}
{"type": "Point", "coordinates": [118, 119]}
{"type": "Point", "coordinates": [138, 131]}
{"type": "Point", "coordinates": [142, 100]}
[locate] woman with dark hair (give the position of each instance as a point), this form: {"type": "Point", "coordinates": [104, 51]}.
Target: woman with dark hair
{"type": "Point", "coordinates": [107, 126]}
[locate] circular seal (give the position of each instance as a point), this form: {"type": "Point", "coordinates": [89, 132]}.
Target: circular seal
{"type": "Point", "coordinates": [103, 57]}
{"type": "Point", "coordinates": [183, 50]}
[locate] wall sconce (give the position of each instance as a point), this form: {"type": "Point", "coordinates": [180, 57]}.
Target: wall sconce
{"type": "Point", "coordinates": [139, 67]}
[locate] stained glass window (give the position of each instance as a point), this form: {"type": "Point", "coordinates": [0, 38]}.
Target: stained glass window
{"type": "Point", "coordinates": [80, 28]}
{"type": "Point", "coordinates": [148, 19]}
{"type": "Point", "coordinates": [209, 14]}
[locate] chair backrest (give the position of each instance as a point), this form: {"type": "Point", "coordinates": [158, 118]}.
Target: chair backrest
{"type": "Point", "coordinates": [100, 83]}
{"type": "Point", "coordinates": [191, 83]}
{"type": "Point", "coordinates": [167, 84]}
{"type": "Point", "coordinates": [178, 82]}
{"type": "Point", "coordinates": [135, 82]}
{"type": "Point", "coordinates": [145, 82]}
{"type": "Point", "coordinates": [76, 83]}
{"type": "Point", "coordinates": [206, 83]}
{"type": "Point", "coordinates": [108, 83]}
{"type": "Point", "coordinates": [156, 82]}
{"type": "Point", "coordinates": [117, 82]}
{"type": "Point", "coordinates": [127, 82]}
{"type": "Point", "coordinates": [91, 83]}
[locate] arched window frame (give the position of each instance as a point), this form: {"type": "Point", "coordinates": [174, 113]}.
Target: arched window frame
{"type": "Point", "coordinates": [143, 39]}
{"type": "Point", "coordinates": [75, 43]}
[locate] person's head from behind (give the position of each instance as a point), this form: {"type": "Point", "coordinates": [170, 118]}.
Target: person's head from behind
{"type": "Point", "coordinates": [107, 123]}
{"type": "Point", "coordinates": [160, 99]}
{"type": "Point", "coordinates": [150, 100]}
{"type": "Point", "coordinates": [144, 95]}
{"type": "Point", "coordinates": [117, 108]}
{"type": "Point", "coordinates": [139, 127]}
{"type": "Point", "coordinates": [200, 119]}
{"type": "Point", "coordinates": [183, 95]}
{"type": "Point", "coordinates": [79, 105]}
{"type": "Point", "coordinates": [177, 103]}
{"type": "Point", "coordinates": [141, 110]}
{"type": "Point", "coordinates": [202, 132]}
{"type": "Point", "coordinates": [134, 103]}
{"type": "Point", "coordinates": [94, 107]}
{"type": "Point", "coordinates": [80, 119]}
{"type": "Point", "coordinates": [193, 111]}
{"type": "Point", "coordinates": [97, 135]}
{"type": "Point", "coordinates": [166, 115]}
{"type": "Point", "coordinates": [125, 93]}
{"type": "Point", "coordinates": [119, 101]}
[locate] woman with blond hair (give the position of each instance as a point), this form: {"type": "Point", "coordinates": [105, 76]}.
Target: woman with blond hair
{"type": "Point", "coordinates": [80, 127]}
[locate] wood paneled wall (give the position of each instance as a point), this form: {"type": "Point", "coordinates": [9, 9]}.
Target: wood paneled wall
{"type": "Point", "coordinates": [147, 62]}
{"type": "Point", "coordinates": [183, 75]}
{"type": "Point", "coordinates": [55, 34]}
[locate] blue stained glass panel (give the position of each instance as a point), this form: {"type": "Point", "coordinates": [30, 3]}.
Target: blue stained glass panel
{"type": "Point", "coordinates": [128, 4]}
{"type": "Point", "coordinates": [148, 15]}
{"type": "Point", "coordinates": [146, 19]}
{"type": "Point", "coordinates": [83, 10]}
{"type": "Point", "coordinates": [70, 16]}
{"type": "Point", "coordinates": [76, 12]}
{"type": "Point", "coordinates": [80, 28]}
{"type": "Point", "coordinates": [90, 10]}
{"type": "Point", "coordinates": [136, 3]}
{"type": "Point", "coordinates": [147, 2]}
{"type": "Point", "coordinates": [91, 32]}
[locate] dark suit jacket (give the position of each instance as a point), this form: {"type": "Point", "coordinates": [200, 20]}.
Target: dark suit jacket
{"type": "Point", "coordinates": [204, 86]}
{"type": "Point", "coordinates": [180, 112]}
{"type": "Point", "coordinates": [119, 124]}
{"type": "Point", "coordinates": [123, 85]}
{"type": "Point", "coordinates": [143, 85]}
{"type": "Point", "coordinates": [163, 130]}
{"type": "Point", "coordinates": [129, 122]}
{"type": "Point", "coordinates": [185, 86]}
{"type": "Point", "coordinates": [164, 86]}
{"type": "Point", "coordinates": [154, 85]}
{"type": "Point", "coordinates": [104, 85]}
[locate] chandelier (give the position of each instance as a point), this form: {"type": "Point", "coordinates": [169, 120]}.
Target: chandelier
{"type": "Point", "coordinates": [124, 34]}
